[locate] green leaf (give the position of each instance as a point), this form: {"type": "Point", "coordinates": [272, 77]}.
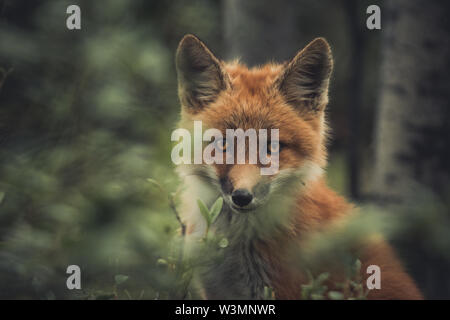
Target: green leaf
{"type": "Point", "coordinates": [268, 293]}
{"type": "Point", "coordinates": [216, 208]}
{"type": "Point", "coordinates": [335, 295]}
{"type": "Point", "coordinates": [120, 278]}
{"type": "Point", "coordinates": [155, 183]}
{"type": "Point", "coordinates": [104, 296]}
{"type": "Point", "coordinates": [223, 243]}
{"type": "Point", "coordinates": [323, 277]}
{"type": "Point", "coordinates": [162, 262]}
{"type": "Point", "coordinates": [357, 267]}
{"type": "Point", "coordinates": [2, 196]}
{"type": "Point", "coordinates": [204, 211]}
{"type": "Point", "coordinates": [306, 291]}
{"type": "Point", "coordinates": [316, 296]}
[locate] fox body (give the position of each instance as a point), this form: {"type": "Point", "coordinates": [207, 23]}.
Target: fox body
{"type": "Point", "coordinates": [267, 218]}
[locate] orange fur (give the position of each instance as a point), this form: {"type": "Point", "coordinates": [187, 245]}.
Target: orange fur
{"type": "Point", "coordinates": [319, 208]}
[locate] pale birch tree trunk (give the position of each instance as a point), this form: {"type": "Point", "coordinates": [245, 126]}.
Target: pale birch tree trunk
{"type": "Point", "coordinates": [412, 130]}
{"type": "Point", "coordinates": [412, 162]}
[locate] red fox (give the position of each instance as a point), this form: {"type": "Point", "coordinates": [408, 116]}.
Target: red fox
{"type": "Point", "coordinates": [268, 217]}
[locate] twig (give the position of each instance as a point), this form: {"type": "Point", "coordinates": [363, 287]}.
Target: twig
{"type": "Point", "coordinates": [183, 234]}
{"type": "Point", "coordinates": [177, 215]}
{"type": "Point", "coordinates": [173, 207]}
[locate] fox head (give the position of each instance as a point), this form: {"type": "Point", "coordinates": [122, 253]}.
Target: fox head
{"type": "Point", "coordinates": [290, 97]}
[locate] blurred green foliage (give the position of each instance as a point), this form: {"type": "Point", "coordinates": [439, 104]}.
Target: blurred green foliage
{"type": "Point", "coordinates": [85, 120]}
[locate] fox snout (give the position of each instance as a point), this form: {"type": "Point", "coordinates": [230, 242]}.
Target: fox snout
{"type": "Point", "coordinates": [244, 186]}
{"type": "Point", "coordinates": [241, 197]}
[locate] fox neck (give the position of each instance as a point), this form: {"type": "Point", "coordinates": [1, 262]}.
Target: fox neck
{"type": "Point", "coordinates": [245, 269]}
{"type": "Point", "coordinates": [242, 272]}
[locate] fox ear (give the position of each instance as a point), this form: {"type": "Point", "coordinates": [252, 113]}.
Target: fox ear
{"type": "Point", "coordinates": [200, 74]}
{"type": "Point", "coordinates": [304, 80]}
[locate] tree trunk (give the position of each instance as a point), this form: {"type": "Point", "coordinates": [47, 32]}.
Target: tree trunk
{"type": "Point", "coordinates": [353, 10]}
{"type": "Point", "coordinates": [412, 141]}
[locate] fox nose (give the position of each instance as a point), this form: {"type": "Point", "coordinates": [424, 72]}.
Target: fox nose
{"type": "Point", "coordinates": [241, 197]}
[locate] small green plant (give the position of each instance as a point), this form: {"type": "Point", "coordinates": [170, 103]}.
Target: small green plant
{"type": "Point", "coordinates": [351, 289]}
{"type": "Point", "coordinates": [181, 267]}
{"type": "Point", "coordinates": [211, 214]}
{"type": "Point", "coordinates": [315, 289]}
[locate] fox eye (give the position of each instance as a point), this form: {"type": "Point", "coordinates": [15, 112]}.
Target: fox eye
{"type": "Point", "coordinates": [222, 144]}
{"type": "Point", "coordinates": [273, 147]}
